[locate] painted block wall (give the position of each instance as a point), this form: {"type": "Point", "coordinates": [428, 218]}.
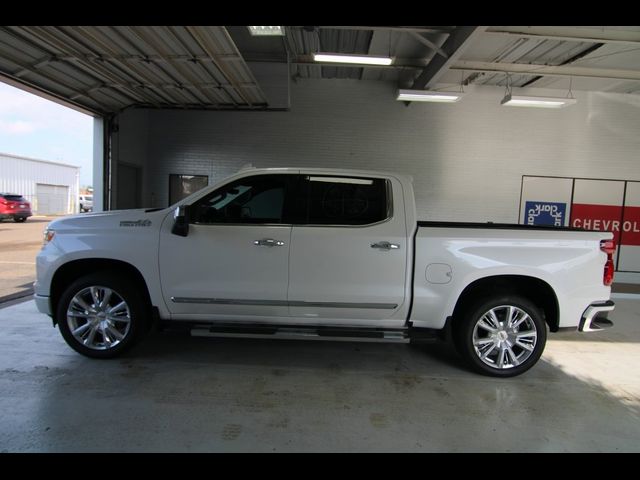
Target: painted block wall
{"type": "Point", "coordinates": [467, 159]}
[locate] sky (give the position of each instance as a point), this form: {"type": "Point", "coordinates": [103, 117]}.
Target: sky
{"type": "Point", "coordinates": [31, 126]}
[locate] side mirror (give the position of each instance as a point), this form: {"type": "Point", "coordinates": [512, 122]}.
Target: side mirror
{"type": "Point", "coordinates": [181, 221]}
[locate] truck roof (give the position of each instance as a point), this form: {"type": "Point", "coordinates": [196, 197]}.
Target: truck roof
{"type": "Point", "coordinates": [329, 171]}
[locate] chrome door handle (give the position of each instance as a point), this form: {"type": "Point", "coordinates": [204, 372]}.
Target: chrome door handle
{"type": "Point", "coordinates": [385, 246]}
{"type": "Point", "coordinates": [268, 242]}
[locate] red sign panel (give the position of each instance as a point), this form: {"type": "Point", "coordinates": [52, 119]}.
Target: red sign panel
{"type": "Point", "coordinates": [631, 226]}
{"type": "Point", "coordinates": [609, 218]}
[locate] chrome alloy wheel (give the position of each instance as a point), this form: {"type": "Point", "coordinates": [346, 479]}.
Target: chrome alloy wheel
{"type": "Point", "coordinates": [98, 318]}
{"type": "Point", "coordinates": [504, 337]}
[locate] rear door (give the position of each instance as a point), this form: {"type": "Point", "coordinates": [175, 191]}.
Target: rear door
{"type": "Point", "coordinates": [348, 259]}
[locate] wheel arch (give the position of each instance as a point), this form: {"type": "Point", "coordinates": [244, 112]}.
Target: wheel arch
{"type": "Point", "coordinates": [536, 290]}
{"type": "Point", "coordinates": [74, 269]}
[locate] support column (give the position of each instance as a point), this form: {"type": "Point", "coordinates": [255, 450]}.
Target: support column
{"type": "Point", "coordinates": [98, 165]}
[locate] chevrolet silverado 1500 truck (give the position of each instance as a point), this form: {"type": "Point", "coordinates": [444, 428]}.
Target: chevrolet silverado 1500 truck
{"type": "Point", "coordinates": [321, 254]}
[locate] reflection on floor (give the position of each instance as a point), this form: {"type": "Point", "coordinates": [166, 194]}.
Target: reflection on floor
{"type": "Point", "coordinates": [178, 393]}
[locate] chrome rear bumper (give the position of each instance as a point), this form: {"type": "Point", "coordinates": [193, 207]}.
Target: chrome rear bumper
{"type": "Point", "coordinates": [594, 318]}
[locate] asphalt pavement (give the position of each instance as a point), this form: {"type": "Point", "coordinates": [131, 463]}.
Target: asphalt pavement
{"type": "Point", "coordinates": [19, 245]}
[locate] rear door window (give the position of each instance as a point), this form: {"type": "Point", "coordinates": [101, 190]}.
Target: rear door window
{"type": "Point", "coordinates": [334, 200]}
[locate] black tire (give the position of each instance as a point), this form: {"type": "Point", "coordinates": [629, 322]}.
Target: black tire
{"type": "Point", "coordinates": [486, 360]}
{"type": "Point", "coordinates": [19, 219]}
{"type": "Point", "coordinates": [128, 292]}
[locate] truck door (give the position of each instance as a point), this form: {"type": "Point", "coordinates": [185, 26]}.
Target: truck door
{"type": "Point", "coordinates": [348, 259]}
{"type": "Point", "coordinates": [234, 262]}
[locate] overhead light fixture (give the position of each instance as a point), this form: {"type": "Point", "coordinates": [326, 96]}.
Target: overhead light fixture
{"type": "Point", "coordinates": [428, 96]}
{"type": "Point", "coordinates": [266, 31]}
{"type": "Point", "coordinates": [511, 100]}
{"type": "Point", "coordinates": [355, 59]}
{"type": "Point", "coordinates": [540, 102]}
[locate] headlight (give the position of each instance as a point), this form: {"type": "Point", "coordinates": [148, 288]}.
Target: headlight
{"type": "Point", "coordinates": [48, 235]}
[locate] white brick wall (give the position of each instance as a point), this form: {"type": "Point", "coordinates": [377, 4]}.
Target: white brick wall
{"type": "Point", "coordinates": [467, 159]}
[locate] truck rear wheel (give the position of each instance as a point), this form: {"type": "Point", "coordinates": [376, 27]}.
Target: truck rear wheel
{"type": "Point", "coordinates": [101, 315]}
{"type": "Point", "coordinates": [501, 337]}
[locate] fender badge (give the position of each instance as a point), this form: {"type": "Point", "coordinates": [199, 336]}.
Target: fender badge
{"type": "Point", "coordinates": [136, 223]}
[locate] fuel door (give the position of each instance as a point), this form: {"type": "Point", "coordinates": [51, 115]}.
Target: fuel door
{"type": "Point", "coordinates": [438, 273]}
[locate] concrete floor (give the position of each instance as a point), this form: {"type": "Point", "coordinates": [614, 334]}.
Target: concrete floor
{"type": "Point", "coordinates": [178, 393]}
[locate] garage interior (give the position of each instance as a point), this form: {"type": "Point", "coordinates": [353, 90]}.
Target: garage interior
{"type": "Point", "coordinates": [199, 103]}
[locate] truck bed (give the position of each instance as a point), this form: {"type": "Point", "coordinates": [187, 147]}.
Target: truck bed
{"type": "Point", "coordinates": [450, 256]}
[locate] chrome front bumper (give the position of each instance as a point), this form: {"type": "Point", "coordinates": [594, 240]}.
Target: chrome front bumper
{"type": "Point", "coordinates": [594, 318]}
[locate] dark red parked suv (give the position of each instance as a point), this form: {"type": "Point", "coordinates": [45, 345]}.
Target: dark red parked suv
{"type": "Point", "coordinates": [14, 206]}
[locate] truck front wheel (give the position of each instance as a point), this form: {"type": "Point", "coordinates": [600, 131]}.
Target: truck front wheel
{"type": "Point", "coordinates": [101, 315]}
{"type": "Point", "coordinates": [501, 337]}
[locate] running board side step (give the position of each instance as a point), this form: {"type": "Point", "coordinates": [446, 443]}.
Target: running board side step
{"type": "Point", "coordinates": [336, 334]}
{"type": "Point", "coordinates": [302, 333]}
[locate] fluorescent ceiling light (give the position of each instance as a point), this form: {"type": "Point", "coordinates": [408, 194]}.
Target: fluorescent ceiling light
{"type": "Point", "coordinates": [428, 96]}
{"type": "Point", "coordinates": [265, 31]}
{"type": "Point", "coordinates": [357, 59]}
{"type": "Point", "coordinates": [539, 102]}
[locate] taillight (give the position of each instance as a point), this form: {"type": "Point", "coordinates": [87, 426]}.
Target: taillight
{"type": "Point", "coordinates": [608, 247]}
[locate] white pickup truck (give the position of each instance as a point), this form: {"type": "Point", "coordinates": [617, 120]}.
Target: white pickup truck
{"type": "Point", "coordinates": [321, 254]}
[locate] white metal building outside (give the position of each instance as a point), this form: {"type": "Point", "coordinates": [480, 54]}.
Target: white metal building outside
{"type": "Point", "coordinates": [51, 187]}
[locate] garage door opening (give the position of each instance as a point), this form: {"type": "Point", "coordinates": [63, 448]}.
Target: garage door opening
{"type": "Point", "coordinates": [52, 199]}
{"type": "Point", "coordinates": [46, 151]}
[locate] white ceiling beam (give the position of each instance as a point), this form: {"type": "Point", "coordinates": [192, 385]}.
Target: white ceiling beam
{"type": "Point", "coordinates": [591, 35]}
{"type": "Point", "coordinates": [546, 70]}
{"type": "Point", "coordinates": [492, 67]}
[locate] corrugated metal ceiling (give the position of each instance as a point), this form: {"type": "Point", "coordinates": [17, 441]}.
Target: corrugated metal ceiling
{"type": "Point", "coordinates": [106, 69]}
{"type": "Point", "coordinates": [109, 68]}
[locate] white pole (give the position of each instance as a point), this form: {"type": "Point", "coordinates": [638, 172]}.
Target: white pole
{"type": "Point", "coordinates": [98, 164]}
